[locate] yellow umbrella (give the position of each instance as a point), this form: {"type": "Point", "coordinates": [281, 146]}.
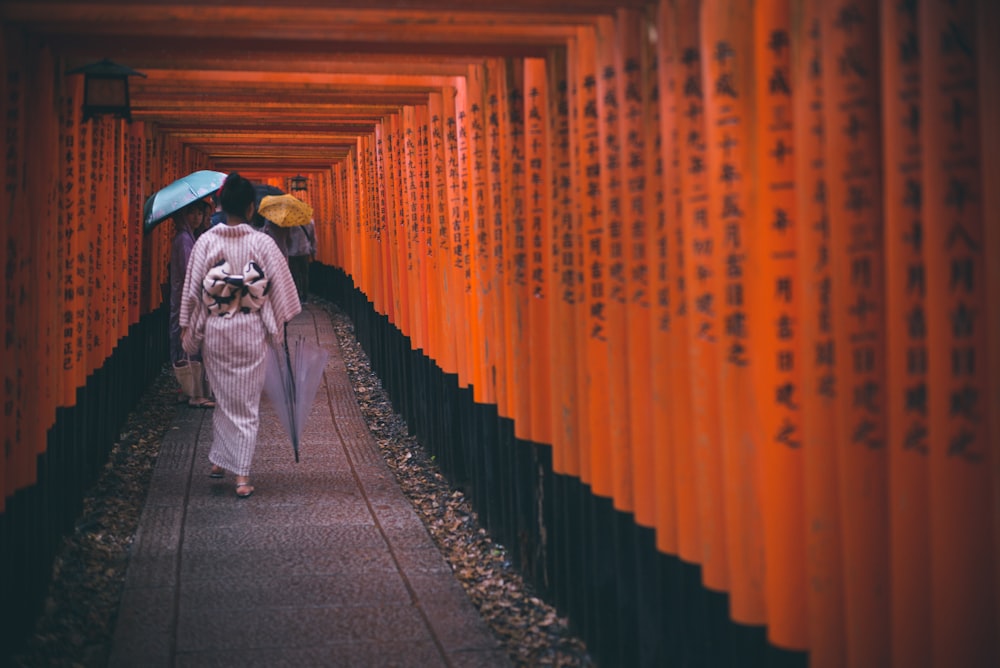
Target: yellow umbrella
{"type": "Point", "coordinates": [285, 210]}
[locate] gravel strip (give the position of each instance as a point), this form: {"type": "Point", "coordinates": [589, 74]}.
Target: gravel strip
{"type": "Point", "coordinates": [78, 621]}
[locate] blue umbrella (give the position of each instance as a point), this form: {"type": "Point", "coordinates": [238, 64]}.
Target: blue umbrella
{"type": "Point", "coordinates": [170, 199]}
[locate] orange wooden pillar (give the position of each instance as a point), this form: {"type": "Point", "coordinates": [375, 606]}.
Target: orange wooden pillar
{"type": "Point", "coordinates": [411, 225]}
{"type": "Point", "coordinates": [853, 167]}
{"type": "Point", "coordinates": [136, 173]}
{"type": "Point", "coordinates": [497, 126]}
{"type": "Point", "coordinates": [389, 266]}
{"type": "Point", "coordinates": [40, 378]}
{"type": "Point", "coordinates": [670, 342]}
{"type": "Point", "coordinates": [398, 233]}
{"type": "Point", "coordinates": [702, 281]}
{"type": "Point", "coordinates": [421, 252]}
{"type": "Point", "coordinates": [596, 284]}
{"type": "Point", "coordinates": [120, 233]}
{"type": "Point", "coordinates": [632, 37]}
{"type": "Point", "coordinates": [564, 293]}
{"type": "Point", "coordinates": [72, 287]}
{"type": "Point", "coordinates": [150, 151]}
{"type": "Point", "coordinates": [97, 239]}
{"type": "Point", "coordinates": [6, 355]}
{"type": "Point", "coordinates": [538, 209]}
{"type": "Point", "coordinates": [426, 291]}
{"type": "Point", "coordinates": [482, 296]}
{"type": "Point", "coordinates": [611, 344]}
{"type": "Point", "coordinates": [466, 93]}
{"type": "Point", "coordinates": [432, 286]}
{"type": "Point", "coordinates": [584, 174]}
{"type": "Point", "coordinates": [724, 303]}
{"type": "Point", "coordinates": [988, 52]}
{"type": "Point", "coordinates": [690, 232]}
{"type": "Point", "coordinates": [30, 339]}
{"type": "Point", "coordinates": [19, 463]}
{"type": "Point", "coordinates": [907, 353]}
{"type": "Point", "coordinates": [820, 427]}
{"type": "Point", "coordinates": [457, 257]}
{"type": "Point", "coordinates": [383, 224]}
{"type": "Point", "coordinates": [445, 353]}
{"type": "Point", "coordinates": [517, 296]}
{"type": "Point", "coordinates": [963, 449]}
{"type": "Point", "coordinates": [662, 204]}
{"type": "Point", "coordinates": [370, 225]}
{"type": "Point", "coordinates": [775, 331]}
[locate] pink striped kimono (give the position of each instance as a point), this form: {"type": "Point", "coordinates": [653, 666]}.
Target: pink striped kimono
{"type": "Point", "coordinates": [237, 292]}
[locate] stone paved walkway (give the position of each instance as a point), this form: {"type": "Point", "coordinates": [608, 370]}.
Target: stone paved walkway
{"type": "Point", "coordinates": [327, 564]}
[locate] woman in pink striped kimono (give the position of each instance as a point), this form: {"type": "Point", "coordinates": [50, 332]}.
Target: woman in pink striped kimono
{"type": "Point", "coordinates": [238, 293]}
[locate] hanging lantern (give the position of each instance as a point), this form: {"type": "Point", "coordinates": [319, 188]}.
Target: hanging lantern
{"type": "Point", "coordinates": [105, 89]}
{"type": "Point", "coordinates": [298, 183]}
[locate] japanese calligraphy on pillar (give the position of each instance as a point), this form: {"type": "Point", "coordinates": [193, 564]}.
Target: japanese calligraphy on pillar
{"type": "Point", "coordinates": [479, 158]}
{"type": "Point", "coordinates": [411, 220]}
{"type": "Point", "coordinates": [539, 201]}
{"type": "Point", "coordinates": [95, 287]}
{"type": "Point", "coordinates": [635, 216]}
{"type": "Point", "coordinates": [465, 158]}
{"type": "Point", "coordinates": [15, 246]}
{"type": "Point", "coordinates": [776, 330]}
{"type": "Point", "coordinates": [495, 222]}
{"type": "Point", "coordinates": [731, 212]}
{"type": "Point", "coordinates": [611, 186]}
{"type": "Point", "coordinates": [692, 251]}
{"type": "Point", "coordinates": [518, 213]}
{"type": "Point", "coordinates": [694, 190]}
{"type": "Point", "coordinates": [438, 168]}
{"type": "Point", "coordinates": [665, 165]}
{"type": "Point", "coordinates": [536, 180]}
{"type": "Point", "coordinates": [779, 195]}
{"type": "Point", "coordinates": [962, 472]}
{"type": "Point", "coordinates": [730, 452]}
{"type": "Point", "coordinates": [115, 219]}
{"type": "Point", "coordinates": [907, 353]}
{"type": "Point", "coordinates": [81, 246]}
{"type": "Point", "coordinates": [495, 158]}
{"type": "Point", "coordinates": [67, 231]}
{"type": "Point", "coordinates": [591, 185]}
{"type": "Point", "coordinates": [636, 386]}
{"type": "Point", "coordinates": [959, 231]}
{"type": "Point", "coordinates": [852, 142]}
{"type": "Point", "coordinates": [815, 232]}
{"type": "Point", "coordinates": [854, 130]}
{"type": "Point", "coordinates": [454, 193]}
{"type": "Point", "coordinates": [663, 215]}
{"type": "Point", "coordinates": [566, 246]}
{"type": "Point", "coordinates": [136, 142]}
{"type": "Point", "coordinates": [483, 297]}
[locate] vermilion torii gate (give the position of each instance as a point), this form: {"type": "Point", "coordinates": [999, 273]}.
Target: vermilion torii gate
{"type": "Point", "coordinates": [698, 299]}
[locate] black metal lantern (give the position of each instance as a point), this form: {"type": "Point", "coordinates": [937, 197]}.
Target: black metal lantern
{"type": "Point", "coordinates": [298, 183]}
{"type": "Point", "coordinates": [105, 89]}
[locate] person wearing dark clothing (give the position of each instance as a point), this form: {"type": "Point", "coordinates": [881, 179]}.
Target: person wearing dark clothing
{"type": "Point", "coordinates": [301, 249]}
{"type": "Point", "coordinates": [279, 234]}
{"type": "Point", "coordinates": [187, 367]}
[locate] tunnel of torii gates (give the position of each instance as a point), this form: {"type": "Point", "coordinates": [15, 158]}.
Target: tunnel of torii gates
{"type": "Point", "coordinates": [699, 303]}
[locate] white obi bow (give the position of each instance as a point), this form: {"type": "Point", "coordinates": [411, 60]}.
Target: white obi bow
{"type": "Point", "coordinates": [226, 293]}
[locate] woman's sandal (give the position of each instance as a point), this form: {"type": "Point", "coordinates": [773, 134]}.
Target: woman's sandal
{"type": "Point", "coordinates": [216, 472]}
{"type": "Point", "coordinates": [201, 402]}
{"type": "Point", "coordinates": [246, 487]}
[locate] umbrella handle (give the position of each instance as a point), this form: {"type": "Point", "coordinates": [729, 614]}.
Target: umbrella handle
{"type": "Point", "coordinates": [288, 357]}
{"type": "Point", "coordinates": [291, 374]}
